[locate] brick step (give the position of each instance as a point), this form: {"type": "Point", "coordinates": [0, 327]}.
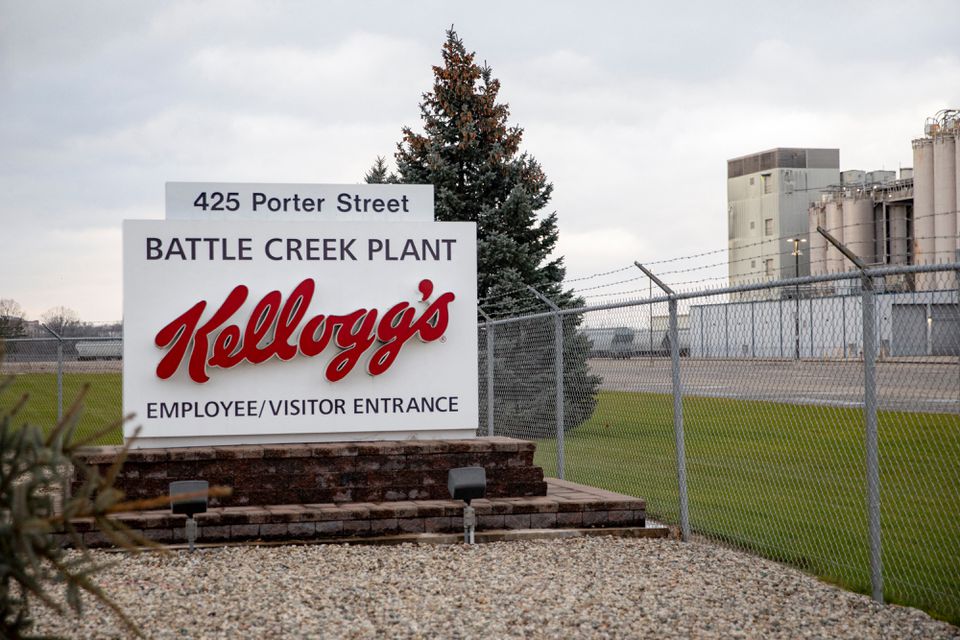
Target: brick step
{"type": "Point", "coordinates": [567, 505]}
{"type": "Point", "coordinates": [341, 472]}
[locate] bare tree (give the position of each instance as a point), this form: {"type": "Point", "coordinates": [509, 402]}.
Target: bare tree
{"type": "Point", "coordinates": [62, 320]}
{"type": "Point", "coordinates": [11, 318]}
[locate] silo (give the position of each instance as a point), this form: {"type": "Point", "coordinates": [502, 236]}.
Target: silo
{"type": "Point", "coordinates": [818, 244]}
{"type": "Point", "coordinates": [956, 208]}
{"type": "Point", "coordinates": [858, 226]}
{"type": "Point", "coordinates": [923, 231]}
{"type": "Point", "coordinates": [945, 199]}
{"type": "Point", "coordinates": [834, 215]}
{"type": "Point", "coordinates": [897, 221]}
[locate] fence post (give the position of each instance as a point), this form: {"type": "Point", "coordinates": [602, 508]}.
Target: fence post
{"type": "Point", "coordinates": [781, 329]}
{"type": "Point", "coordinates": [678, 420]}
{"type": "Point", "coordinates": [726, 331]}
{"type": "Point", "coordinates": [870, 417]}
{"type": "Point", "coordinates": [59, 380]}
{"type": "Point", "coordinates": [489, 326]}
{"type": "Point", "coordinates": [558, 376]}
{"type": "Point", "coordinates": [872, 444]}
{"type": "Point", "coordinates": [677, 404]}
{"type": "Point", "coordinates": [59, 370]}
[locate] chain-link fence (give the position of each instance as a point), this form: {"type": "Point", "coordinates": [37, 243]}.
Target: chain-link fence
{"type": "Point", "coordinates": [815, 421]}
{"type": "Point", "coordinates": [54, 370]}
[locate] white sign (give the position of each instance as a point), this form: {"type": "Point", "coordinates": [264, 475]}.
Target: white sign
{"type": "Point", "coordinates": [245, 332]}
{"type": "Point", "coordinates": [262, 201]}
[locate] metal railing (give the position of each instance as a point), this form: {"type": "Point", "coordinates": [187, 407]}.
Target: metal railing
{"type": "Point", "coordinates": [841, 456]}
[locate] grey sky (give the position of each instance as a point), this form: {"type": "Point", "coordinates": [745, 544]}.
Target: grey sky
{"type": "Point", "coordinates": [632, 109]}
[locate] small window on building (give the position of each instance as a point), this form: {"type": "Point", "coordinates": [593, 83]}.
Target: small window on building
{"type": "Point", "coordinates": [768, 267]}
{"type": "Point", "coordinates": [753, 265]}
{"type": "Point", "coordinates": [751, 181]}
{"type": "Point", "coordinates": [767, 182]}
{"type": "Point", "coordinates": [768, 227]}
{"type": "Point", "coordinates": [752, 224]}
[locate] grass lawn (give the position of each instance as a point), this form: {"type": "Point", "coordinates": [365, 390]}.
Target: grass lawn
{"type": "Point", "coordinates": [101, 407]}
{"type": "Point", "coordinates": [788, 482]}
{"type": "Point", "coordinates": [785, 481]}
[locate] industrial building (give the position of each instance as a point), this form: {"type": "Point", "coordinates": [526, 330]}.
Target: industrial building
{"type": "Point", "coordinates": [872, 214]}
{"type": "Point", "coordinates": [831, 327]}
{"type": "Point", "coordinates": [936, 195]}
{"type": "Point", "coordinates": [910, 220]}
{"type": "Point", "coordinates": [882, 217]}
{"type": "Point", "coordinates": [768, 195]}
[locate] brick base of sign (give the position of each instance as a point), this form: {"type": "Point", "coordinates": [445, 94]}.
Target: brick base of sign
{"type": "Point", "coordinates": [566, 505]}
{"type": "Point", "coordinates": [328, 473]}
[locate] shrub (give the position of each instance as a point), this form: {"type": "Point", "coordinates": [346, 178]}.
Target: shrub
{"type": "Point", "coordinates": [36, 509]}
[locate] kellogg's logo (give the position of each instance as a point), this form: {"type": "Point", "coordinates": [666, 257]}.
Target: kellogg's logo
{"type": "Point", "coordinates": [352, 333]}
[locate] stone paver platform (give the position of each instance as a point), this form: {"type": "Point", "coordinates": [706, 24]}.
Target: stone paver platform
{"type": "Point", "coordinates": [566, 505]}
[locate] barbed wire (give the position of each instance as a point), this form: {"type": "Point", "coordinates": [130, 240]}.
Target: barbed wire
{"type": "Point", "coordinates": [507, 312]}
{"type": "Point", "coordinates": [601, 274]}
{"type": "Point", "coordinates": [611, 284]}
{"type": "Point", "coordinates": [759, 275]}
{"type": "Point", "coordinates": [787, 250]}
{"type": "Point", "coordinates": [502, 294]}
{"type": "Point", "coordinates": [778, 239]}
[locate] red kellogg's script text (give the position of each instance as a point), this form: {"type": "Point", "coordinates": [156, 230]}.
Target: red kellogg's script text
{"type": "Point", "coordinates": [353, 333]}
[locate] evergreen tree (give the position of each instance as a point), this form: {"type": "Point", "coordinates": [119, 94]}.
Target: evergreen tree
{"type": "Point", "coordinates": [379, 174]}
{"type": "Point", "coordinates": [471, 155]}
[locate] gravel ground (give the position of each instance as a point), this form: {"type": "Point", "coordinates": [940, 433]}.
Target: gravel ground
{"type": "Point", "coordinates": [580, 588]}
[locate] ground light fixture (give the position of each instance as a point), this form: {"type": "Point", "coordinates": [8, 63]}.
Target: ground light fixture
{"type": "Point", "coordinates": [467, 483]}
{"type": "Point", "coordinates": [194, 501]}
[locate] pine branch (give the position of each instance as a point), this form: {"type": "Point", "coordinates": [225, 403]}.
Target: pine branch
{"type": "Point", "coordinates": [35, 466]}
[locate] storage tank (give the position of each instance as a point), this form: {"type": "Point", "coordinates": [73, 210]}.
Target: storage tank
{"type": "Point", "coordinates": [834, 216]}
{"type": "Point", "coordinates": [945, 200]}
{"type": "Point", "coordinates": [897, 221]}
{"type": "Point", "coordinates": [881, 176]}
{"type": "Point", "coordinates": [906, 172]}
{"type": "Point", "coordinates": [852, 177]}
{"type": "Point", "coordinates": [858, 227]}
{"type": "Point", "coordinates": [923, 231]}
{"type": "Point", "coordinates": [818, 244]}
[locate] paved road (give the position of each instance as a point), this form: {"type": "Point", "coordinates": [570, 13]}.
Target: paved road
{"type": "Point", "coordinates": [69, 366]}
{"type": "Point", "coordinates": [932, 386]}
